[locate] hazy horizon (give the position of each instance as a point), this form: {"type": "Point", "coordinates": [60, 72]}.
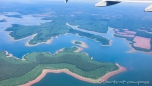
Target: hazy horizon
{"type": "Point", "coordinates": [31, 1]}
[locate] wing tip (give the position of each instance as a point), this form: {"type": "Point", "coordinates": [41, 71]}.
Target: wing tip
{"type": "Point", "coordinates": [65, 1]}
{"type": "Point", "coordinates": [149, 8]}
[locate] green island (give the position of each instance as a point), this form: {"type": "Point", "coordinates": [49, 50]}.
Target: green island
{"type": "Point", "coordinates": [46, 31]}
{"type": "Point", "coordinates": [77, 42]}
{"type": "Point", "coordinates": [15, 71]}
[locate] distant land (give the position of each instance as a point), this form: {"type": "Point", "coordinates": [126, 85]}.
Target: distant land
{"type": "Point", "coordinates": [139, 40]}
{"type": "Point", "coordinates": [131, 28]}
{"type": "Point", "coordinates": [45, 32]}
{"type": "Point", "coordinates": [16, 71]}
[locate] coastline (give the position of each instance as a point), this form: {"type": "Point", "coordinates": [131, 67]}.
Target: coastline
{"type": "Point", "coordinates": [31, 37]}
{"type": "Point", "coordinates": [110, 43]}
{"type": "Point", "coordinates": [132, 50]}
{"type": "Point", "coordinates": [91, 32]}
{"type": "Point", "coordinates": [83, 44]}
{"type": "Point", "coordinates": [100, 80]}
{"type": "Point", "coordinates": [79, 49]}
{"type": "Point", "coordinates": [47, 42]}
{"type": "Point", "coordinates": [59, 51]}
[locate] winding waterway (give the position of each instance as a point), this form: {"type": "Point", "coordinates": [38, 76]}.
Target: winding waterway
{"type": "Point", "coordinates": [137, 63]}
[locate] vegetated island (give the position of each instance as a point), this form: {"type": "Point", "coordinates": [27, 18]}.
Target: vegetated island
{"type": "Point", "coordinates": [45, 32]}
{"type": "Point", "coordinates": [34, 66]}
{"type": "Point", "coordinates": [80, 43]}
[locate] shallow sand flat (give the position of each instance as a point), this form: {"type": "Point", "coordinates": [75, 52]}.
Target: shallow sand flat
{"type": "Point", "coordinates": [142, 42]}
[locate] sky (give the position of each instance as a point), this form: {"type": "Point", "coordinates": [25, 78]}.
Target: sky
{"type": "Point", "coordinates": [29, 1]}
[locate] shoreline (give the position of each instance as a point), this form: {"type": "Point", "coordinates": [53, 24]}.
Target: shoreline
{"type": "Point", "coordinates": [132, 50]}
{"type": "Point", "coordinates": [110, 41]}
{"type": "Point", "coordinates": [60, 50]}
{"type": "Point", "coordinates": [91, 32]}
{"type": "Point", "coordinates": [29, 45]}
{"type": "Point", "coordinates": [8, 55]}
{"type": "Point", "coordinates": [100, 80]}
{"type": "Point", "coordinates": [47, 42]}
{"type": "Point", "coordinates": [83, 44]}
{"type": "Point", "coordinates": [79, 49]}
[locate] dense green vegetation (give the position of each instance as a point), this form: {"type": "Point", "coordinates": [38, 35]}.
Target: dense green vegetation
{"type": "Point", "coordinates": [88, 24]}
{"type": "Point", "coordinates": [102, 40]}
{"type": "Point", "coordinates": [43, 32]}
{"type": "Point", "coordinates": [77, 42]}
{"type": "Point", "coordinates": [46, 31]}
{"type": "Point", "coordinates": [15, 71]}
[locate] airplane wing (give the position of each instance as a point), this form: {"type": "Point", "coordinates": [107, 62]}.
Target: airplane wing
{"type": "Point", "coordinates": [103, 3]}
{"type": "Point", "coordinates": [65, 1]}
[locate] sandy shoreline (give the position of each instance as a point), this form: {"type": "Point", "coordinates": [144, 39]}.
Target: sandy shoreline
{"type": "Point", "coordinates": [100, 80]}
{"type": "Point", "coordinates": [10, 55]}
{"type": "Point", "coordinates": [48, 41]}
{"type": "Point", "coordinates": [59, 51]}
{"type": "Point", "coordinates": [79, 49]}
{"type": "Point", "coordinates": [83, 44]}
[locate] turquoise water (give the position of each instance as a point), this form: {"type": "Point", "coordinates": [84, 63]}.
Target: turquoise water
{"type": "Point", "coordinates": [137, 63]}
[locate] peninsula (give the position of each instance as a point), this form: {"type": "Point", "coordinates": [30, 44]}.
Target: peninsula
{"type": "Point", "coordinates": [37, 64]}
{"type": "Point", "coordinates": [45, 33]}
